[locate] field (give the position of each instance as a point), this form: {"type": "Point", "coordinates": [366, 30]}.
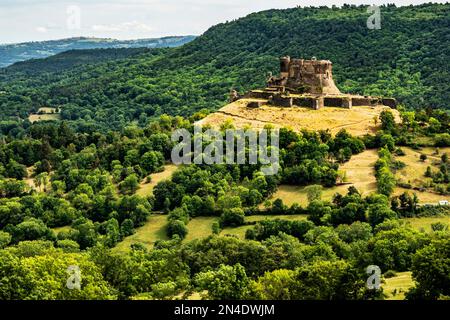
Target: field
{"type": "Point", "coordinates": [147, 188]}
{"type": "Point", "coordinates": [425, 197]}
{"type": "Point", "coordinates": [415, 169]}
{"type": "Point", "coordinates": [151, 232]}
{"type": "Point", "coordinates": [359, 171]}
{"type": "Point", "coordinates": [198, 228]}
{"type": "Point", "coordinates": [60, 229]}
{"type": "Point", "coordinates": [45, 114]}
{"type": "Point", "coordinates": [396, 287]}
{"type": "Point", "coordinates": [358, 121]}
{"type": "Point", "coordinates": [44, 117]}
{"type": "Point", "coordinates": [424, 223]}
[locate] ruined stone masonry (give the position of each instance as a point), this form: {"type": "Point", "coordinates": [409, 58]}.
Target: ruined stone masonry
{"type": "Point", "coordinates": [307, 83]}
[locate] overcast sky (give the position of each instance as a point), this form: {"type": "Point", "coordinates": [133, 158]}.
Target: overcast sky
{"type": "Point", "coordinates": [36, 20]}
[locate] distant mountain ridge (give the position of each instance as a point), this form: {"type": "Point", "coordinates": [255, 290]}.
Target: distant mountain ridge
{"type": "Point", "coordinates": [82, 57]}
{"type": "Point", "coordinates": [12, 53]}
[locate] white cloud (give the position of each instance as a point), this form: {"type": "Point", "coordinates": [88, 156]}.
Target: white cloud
{"type": "Point", "coordinates": [132, 19]}
{"type": "Point", "coordinates": [42, 29]}
{"type": "Point", "coordinates": [123, 27]}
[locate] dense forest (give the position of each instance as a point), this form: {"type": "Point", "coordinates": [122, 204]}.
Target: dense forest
{"type": "Point", "coordinates": [407, 59]}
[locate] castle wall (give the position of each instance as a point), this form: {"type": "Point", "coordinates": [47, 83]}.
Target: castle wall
{"type": "Point", "coordinates": [390, 102]}
{"type": "Point", "coordinates": [339, 102]}
{"type": "Point", "coordinates": [281, 101]}
{"type": "Point", "coordinates": [303, 102]}
{"type": "Point", "coordinates": [258, 95]}
{"type": "Point", "coordinates": [357, 102]}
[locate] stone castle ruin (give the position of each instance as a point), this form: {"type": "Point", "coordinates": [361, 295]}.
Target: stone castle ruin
{"type": "Point", "coordinates": [305, 76]}
{"type": "Point", "coordinates": [307, 83]}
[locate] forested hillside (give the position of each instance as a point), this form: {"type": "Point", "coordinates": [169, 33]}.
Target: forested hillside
{"type": "Point", "coordinates": [70, 59]}
{"type": "Point", "coordinates": [12, 53]}
{"type": "Point", "coordinates": [407, 58]}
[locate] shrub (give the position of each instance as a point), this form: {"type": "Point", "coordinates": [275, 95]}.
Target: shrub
{"type": "Point", "coordinates": [390, 274]}
{"type": "Point", "coordinates": [177, 227]}
{"type": "Point", "coordinates": [232, 218]}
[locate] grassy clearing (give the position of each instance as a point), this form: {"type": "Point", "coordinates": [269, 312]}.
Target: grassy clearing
{"type": "Point", "coordinates": [396, 287]}
{"type": "Point", "coordinates": [44, 117]}
{"type": "Point", "coordinates": [424, 197]}
{"type": "Point", "coordinates": [61, 229]}
{"type": "Point", "coordinates": [200, 227]}
{"type": "Point", "coordinates": [358, 121]}
{"type": "Point", "coordinates": [237, 232]}
{"type": "Point", "coordinates": [414, 172]}
{"type": "Point", "coordinates": [147, 188]}
{"type": "Point", "coordinates": [155, 227]}
{"type": "Point", "coordinates": [426, 222]}
{"type": "Point", "coordinates": [30, 180]}
{"type": "Point", "coordinates": [359, 171]}
{"type": "Point", "coordinates": [272, 217]}
{"type": "Point", "coordinates": [152, 231]}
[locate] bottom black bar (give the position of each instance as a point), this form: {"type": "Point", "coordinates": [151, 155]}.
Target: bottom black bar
{"type": "Point", "coordinates": [174, 310]}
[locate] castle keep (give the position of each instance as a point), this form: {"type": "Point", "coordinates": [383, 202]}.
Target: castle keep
{"type": "Point", "coordinates": [307, 83]}
{"type": "Point", "coordinates": [305, 76]}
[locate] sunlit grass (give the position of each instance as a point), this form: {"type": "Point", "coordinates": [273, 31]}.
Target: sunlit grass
{"type": "Point", "coordinates": [396, 287]}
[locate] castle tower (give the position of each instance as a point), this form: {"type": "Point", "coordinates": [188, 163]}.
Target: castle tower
{"type": "Point", "coordinates": [306, 76]}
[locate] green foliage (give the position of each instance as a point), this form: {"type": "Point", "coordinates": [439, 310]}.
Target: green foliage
{"type": "Point", "coordinates": [5, 239]}
{"type": "Point", "coordinates": [322, 280]}
{"type": "Point", "coordinates": [31, 229]}
{"type": "Point", "coordinates": [266, 229]}
{"type": "Point", "coordinates": [232, 217]}
{"type": "Point", "coordinates": [385, 178]}
{"type": "Point", "coordinates": [129, 185]}
{"type": "Point", "coordinates": [178, 228]}
{"type": "Point", "coordinates": [387, 121]}
{"type": "Point", "coordinates": [227, 283]}
{"type": "Point", "coordinates": [314, 192]}
{"type": "Point", "coordinates": [442, 140]}
{"type": "Point", "coordinates": [430, 268]}
{"type": "Point", "coordinates": [44, 277]}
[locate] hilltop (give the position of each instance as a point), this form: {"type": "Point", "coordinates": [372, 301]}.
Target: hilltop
{"type": "Point", "coordinates": [357, 121]}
